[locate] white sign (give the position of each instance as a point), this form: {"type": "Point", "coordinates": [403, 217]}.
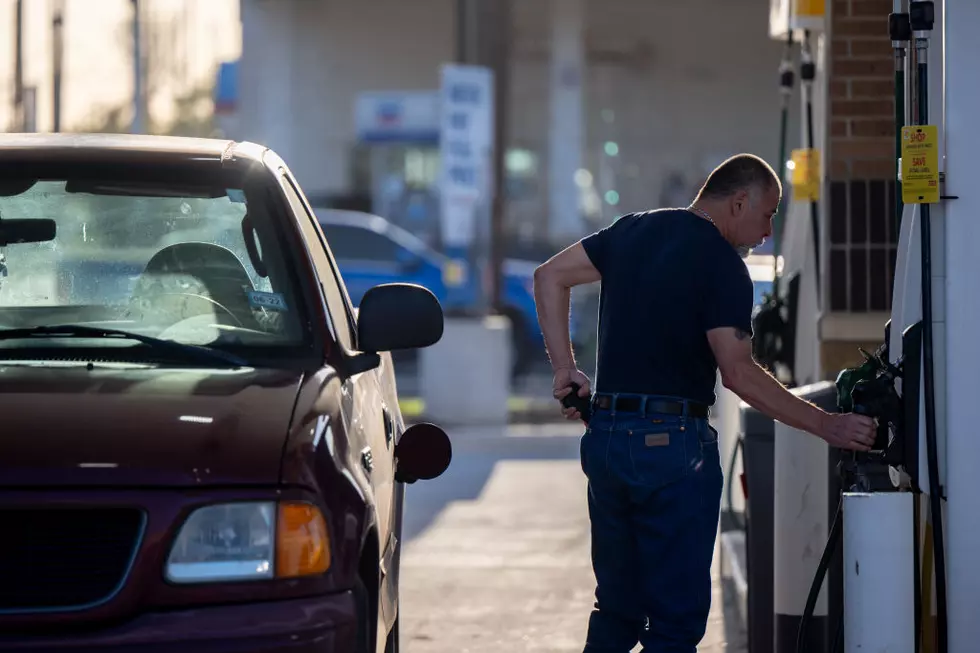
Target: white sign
{"type": "Point", "coordinates": [466, 142]}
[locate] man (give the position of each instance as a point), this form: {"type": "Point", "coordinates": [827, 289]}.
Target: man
{"type": "Point", "coordinates": [675, 308]}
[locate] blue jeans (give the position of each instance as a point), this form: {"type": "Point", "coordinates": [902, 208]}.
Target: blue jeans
{"type": "Point", "coordinates": [655, 484]}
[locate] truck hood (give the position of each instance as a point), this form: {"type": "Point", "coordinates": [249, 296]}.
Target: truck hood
{"type": "Point", "coordinates": [122, 424]}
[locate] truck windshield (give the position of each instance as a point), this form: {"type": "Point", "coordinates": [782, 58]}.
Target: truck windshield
{"type": "Point", "coordinates": [192, 265]}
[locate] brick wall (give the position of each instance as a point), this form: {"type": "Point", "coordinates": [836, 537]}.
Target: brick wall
{"type": "Point", "coordinates": [861, 157]}
{"type": "Point", "coordinates": [837, 355]}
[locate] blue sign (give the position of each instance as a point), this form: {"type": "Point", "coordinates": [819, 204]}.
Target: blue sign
{"type": "Point", "coordinates": [388, 113]}
{"type": "Point", "coordinates": [397, 117]}
{"type": "Point", "coordinates": [226, 88]}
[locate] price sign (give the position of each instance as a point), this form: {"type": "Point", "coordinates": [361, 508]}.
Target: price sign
{"type": "Point", "coordinates": [920, 164]}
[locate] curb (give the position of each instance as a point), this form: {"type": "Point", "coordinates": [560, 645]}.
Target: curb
{"type": "Point", "coordinates": [521, 410]}
{"type": "Point", "coordinates": [733, 571]}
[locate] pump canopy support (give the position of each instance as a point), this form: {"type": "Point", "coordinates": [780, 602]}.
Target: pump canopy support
{"type": "Point", "coordinates": [878, 572]}
{"type": "Point", "coordinates": [961, 52]}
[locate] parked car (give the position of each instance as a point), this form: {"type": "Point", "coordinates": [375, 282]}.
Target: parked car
{"type": "Point", "coordinates": [208, 455]}
{"type": "Point", "coordinates": [372, 250]}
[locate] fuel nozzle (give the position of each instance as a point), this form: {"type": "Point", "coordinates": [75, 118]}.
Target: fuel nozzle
{"type": "Point", "coordinates": [869, 389]}
{"type": "Point", "coordinates": [878, 398]}
{"type": "Point", "coordinates": [848, 378]}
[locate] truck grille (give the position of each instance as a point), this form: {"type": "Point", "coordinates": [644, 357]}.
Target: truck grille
{"type": "Point", "coordinates": [63, 559]}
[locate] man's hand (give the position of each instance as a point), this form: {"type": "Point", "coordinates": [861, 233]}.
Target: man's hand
{"type": "Point", "coordinates": [849, 431]}
{"type": "Point", "coordinates": [564, 377]}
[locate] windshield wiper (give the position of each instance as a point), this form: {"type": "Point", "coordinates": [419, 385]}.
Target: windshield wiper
{"type": "Point", "coordinates": [179, 349]}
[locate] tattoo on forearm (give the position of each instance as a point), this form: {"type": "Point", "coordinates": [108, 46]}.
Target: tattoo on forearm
{"type": "Point", "coordinates": [742, 335]}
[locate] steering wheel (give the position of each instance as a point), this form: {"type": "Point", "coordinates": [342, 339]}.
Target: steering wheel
{"type": "Point", "coordinates": [197, 330]}
{"type": "Point", "coordinates": [159, 298]}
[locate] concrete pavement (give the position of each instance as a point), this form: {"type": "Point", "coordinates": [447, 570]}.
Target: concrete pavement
{"type": "Point", "coordinates": [497, 553]}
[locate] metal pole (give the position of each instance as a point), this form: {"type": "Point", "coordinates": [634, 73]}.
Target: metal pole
{"type": "Point", "coordinates": [57, 33]}
{"type": "Point", "coordinates": [501, 66]}
{"type": "Point", "coordinates": [462, 30]}
{"type": "Point", "coordinates": [807, 75]}
{"type": "Point", "coordinates": [786, 92]}
{"type": "Point", "coordinates": [921, 16]}
{"type": "Point", "coordinates": [18, 120]}
{"type": "Point", "coordinates": [138, 118]}
{"type": "Point", "coordinates": [901, 33]}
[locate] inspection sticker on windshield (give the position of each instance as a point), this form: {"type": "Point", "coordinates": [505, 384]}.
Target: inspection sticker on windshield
{"type": "Point", "coordinates": [235, 195]}
{"type": "Point", "coordinates": [271, 300]}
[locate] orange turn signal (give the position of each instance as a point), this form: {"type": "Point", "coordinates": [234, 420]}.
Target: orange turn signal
{"type": "Point", "coordinates": [302, 543]}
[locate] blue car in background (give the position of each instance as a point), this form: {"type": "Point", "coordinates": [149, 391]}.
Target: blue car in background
{"type": "Point", "coordinates": [762, 271]}
{"type": "Point", "coordinates": [371, 250]}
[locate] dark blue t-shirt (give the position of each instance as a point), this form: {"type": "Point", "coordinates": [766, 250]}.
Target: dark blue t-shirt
{"type": "Point", "coordinates": [668, 277]}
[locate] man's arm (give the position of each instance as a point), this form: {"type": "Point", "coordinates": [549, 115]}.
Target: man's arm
{"type": "Point", "coordinates": [553, 281]}
{"type": "Point", "coordinates": [740, 373]}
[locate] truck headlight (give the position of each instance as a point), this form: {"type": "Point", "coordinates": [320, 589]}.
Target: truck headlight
{"type": "Point", "coordinates": [250, 541]}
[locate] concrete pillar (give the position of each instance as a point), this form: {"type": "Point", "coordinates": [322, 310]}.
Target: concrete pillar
{"type": "Point", "coordinates": [568, 71]}
{"type": "Point", "coordinates": [962, 456]}
{"type": "Point", "coordinates": [800, 530]}
{"type": "Point", "coordinates": [267, 73]}
{"type": "Point", "coordinates": [465, 377]}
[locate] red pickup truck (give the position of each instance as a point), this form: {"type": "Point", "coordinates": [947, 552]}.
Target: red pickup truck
{"type": "Point", "coordinates": [210, 456]}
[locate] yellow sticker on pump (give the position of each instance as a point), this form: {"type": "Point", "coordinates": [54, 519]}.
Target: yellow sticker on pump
{"type": "Point", "coordinates": [806, 175]}
{"type": "Point", "coordinates": [920, 164]}
{"type": "Point", "coordinates": [809, 8]}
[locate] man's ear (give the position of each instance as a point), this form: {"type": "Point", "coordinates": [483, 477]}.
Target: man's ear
{"type": "Point", "coordinates": [740, 202]}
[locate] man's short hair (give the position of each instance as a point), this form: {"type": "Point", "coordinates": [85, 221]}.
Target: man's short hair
{"type": "Point", "coordinates": [740, 172]}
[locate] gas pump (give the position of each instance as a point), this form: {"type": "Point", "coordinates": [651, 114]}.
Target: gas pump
{"type": "Point", "coordinates": [887, 603]}
{"type": "Point", "coordinates": [901, 389]}
{"type": "Point", "coordinates": [774, 322]}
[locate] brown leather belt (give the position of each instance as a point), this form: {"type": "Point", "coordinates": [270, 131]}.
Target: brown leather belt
{"type": "Point", "coordinates": [640, 403]}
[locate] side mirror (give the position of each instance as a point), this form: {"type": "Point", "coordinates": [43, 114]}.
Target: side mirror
{"type": "Point", "coordinates": [422, 453]}
{"type": "Point", "coordinates": [398, 316]}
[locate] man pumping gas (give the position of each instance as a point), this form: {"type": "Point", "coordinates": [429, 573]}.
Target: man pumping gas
{"type": "Point", "coordinates": [675, 308]}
